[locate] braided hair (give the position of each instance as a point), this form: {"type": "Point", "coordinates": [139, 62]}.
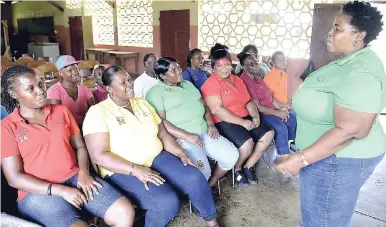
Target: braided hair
{"type": "Point", "coordinates": [8, 79]}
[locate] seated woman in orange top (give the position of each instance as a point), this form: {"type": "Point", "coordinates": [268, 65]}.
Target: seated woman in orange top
{"type": "Point", "coordinates": [235, 115]}
{"type": "Point", "coordinates": [277, 80]}
{"type": "Point", "coordinates": [44, 156]}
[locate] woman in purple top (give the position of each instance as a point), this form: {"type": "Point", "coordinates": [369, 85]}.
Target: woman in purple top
{"type": "Point", "coordinates": [280, 117]}
{"type": "Point", "coordinates": [194, 72]}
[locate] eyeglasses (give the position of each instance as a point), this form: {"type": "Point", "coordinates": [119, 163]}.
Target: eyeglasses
{"type": "Point", "coordinates": [175, 70]}
{"type": "Point", "coordinates": [252, 64]}
{"type": "Point", "coordinates": [198, 58]}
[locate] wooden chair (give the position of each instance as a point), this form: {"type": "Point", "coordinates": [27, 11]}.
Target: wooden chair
{"type": "Point", "coordinates": [27, 57]}
{"type": "Point", "coordinates": [46, 59]}
{"type": "Point", "coordinates": [48, 68]}
{"type": "Point", "coordinates": [86, 68]}
{"type": "Point", "coordinates": [23, 61]}
{"type": "Point", "coordinates": [34, 64]}
{"type": "Point", "coordinates": [4, 60]}
{"type": "Point", "coordinates": [6, 65]}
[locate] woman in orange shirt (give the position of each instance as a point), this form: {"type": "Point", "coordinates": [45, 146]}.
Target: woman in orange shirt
{"type": "Point", "coordinates": [235, 115]}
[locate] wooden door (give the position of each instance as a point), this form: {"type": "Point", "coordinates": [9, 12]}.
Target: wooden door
{"type": "Point", "coordinates": [323, 18]}
{"type": "Point", "coordinates": [175, 35]}
{"type": "Point", "coordinates": [76, 34]}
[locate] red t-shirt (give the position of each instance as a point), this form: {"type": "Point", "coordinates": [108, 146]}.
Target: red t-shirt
{"type": "Point", "coordinates": [46, 152]}
{"type": "Point", "coordinates": [258, 90]}
{"type": "Point", "coordinates": [234, 98]}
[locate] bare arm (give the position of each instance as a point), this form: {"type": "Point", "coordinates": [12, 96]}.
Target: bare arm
{"type": "Point", "coordinates": [208, 115]}
{"type": "Point", "coordinates": [216, 107]}
{"type": "Point", "coordinates": [277, 104]}
{"type": "Point", "coordinates": [173, 130]}
{"type": "Point", "coordinates": [252, 110]}
{"type": "Point", "coordinates": [169, 142]}
{"type": "Point", "coordinates": [349, 125]}
{"type": "Point", "coordinates": [98, 147]}
{"type": "Point", "coordinates": [79, 147]}
{"type": "Point", "coordinates": [17, 178]}
{"type": "Point", "coordinates": [265, 110]}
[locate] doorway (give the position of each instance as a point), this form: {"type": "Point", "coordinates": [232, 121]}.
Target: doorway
{"type": "Point", "coordinates": [323, 17]}
{"type": "Point", "coordinates": [175, 35]}
{"type": "Point", "coordinates": [76, 37]}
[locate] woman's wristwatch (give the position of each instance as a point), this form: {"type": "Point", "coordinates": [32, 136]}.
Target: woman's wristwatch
{"type": "Point", "coordinates": [304, 160]}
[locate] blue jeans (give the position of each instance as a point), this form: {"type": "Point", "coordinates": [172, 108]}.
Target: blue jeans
{"type": "Point", "coordinates": [161, 202]}
{"type": "Point", "coordinates": [55, 211]}
{"type": "Point", "coordinates": [284, 130]}
{"type": "Point", "coordinates": [329, 189]}
{"type": "Point", "coordinates": [220, 150]}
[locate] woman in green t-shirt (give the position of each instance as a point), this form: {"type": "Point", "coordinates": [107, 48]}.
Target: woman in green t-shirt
{"type": "Point", "coordinates": [339, 133]}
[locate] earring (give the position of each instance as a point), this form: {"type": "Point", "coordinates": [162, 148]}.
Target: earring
{"type": "Point", "coordinates": [355, 43]}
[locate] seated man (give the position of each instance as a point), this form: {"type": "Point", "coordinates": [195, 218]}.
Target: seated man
{"type": "Point", "coordinates": [147, 79]}
{"type": "Point", "coordinates": [134, 152]}
{"type": "Point", "coordinates": [77, 98]}
{"type": "Point", "coordinates": [275, 114]}
{"type": "Point", "coordinates": [277, 79]}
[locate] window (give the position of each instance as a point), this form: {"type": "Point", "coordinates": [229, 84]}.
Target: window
{"type": "Point", "coordinates": [73, 4]}
{"type": "Point", "coordinates": [270, 24]}
{"type": "Point", "coordinates": [135, 23]}
{"type": "Point", "coordinates": [102, 21]}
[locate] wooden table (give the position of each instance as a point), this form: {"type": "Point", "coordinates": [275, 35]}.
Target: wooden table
{"type": "Point", "coordinates": [121, 55]}
{"type": "Point", "coordinates": [98, 52]}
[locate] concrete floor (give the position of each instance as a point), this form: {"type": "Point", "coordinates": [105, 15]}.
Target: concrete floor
{"type": "Point", "coordinates": [271, 203]}
{"type": "Point", "coordinates": [274, 204]}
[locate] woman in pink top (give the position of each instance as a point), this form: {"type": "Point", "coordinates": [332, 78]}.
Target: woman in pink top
{"type": "Point", "coordinates": [75, 97]}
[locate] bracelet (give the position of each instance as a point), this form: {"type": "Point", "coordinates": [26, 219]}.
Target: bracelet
{"type": "Point", "coordinates": [131, 170]}
{"type": "Point", "coordinates": [49, 189]}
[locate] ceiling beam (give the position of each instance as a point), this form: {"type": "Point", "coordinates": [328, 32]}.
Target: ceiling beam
{"type": "Point", "coordinates": [56, 5]}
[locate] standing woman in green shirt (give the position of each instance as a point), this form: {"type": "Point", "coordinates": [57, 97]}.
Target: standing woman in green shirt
{"type": "Point", "coordinates": [339, 133]}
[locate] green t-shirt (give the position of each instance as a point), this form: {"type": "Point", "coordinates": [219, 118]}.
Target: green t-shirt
{"type": "Point", "coordinates": [181, 104]}
{"type": "Point", "coordinates": [356, 82]}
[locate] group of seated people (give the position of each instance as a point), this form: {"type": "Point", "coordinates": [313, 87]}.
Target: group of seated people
{"type": "Point", "coordinates": [141, 142]}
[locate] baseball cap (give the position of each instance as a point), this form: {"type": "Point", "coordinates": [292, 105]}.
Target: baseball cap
{"type": "Point", "coordinates": [64, 61]}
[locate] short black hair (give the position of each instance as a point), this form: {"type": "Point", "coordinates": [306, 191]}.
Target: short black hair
{"type": "Point", "coordinates": [250, 46]}
{"type": "Point", "coordinates": [147, 56]}
{"type": "Point", "coordinates": [190, 56]}
{"type": "Point", "coordinates": [365, 18]}
{"type": "Point", "coordinates": [277, 53]}
{"type": "Point", "coordinates": [7, 81]}
{"type": "Point", "coordinates": [162, 65]}
{"type": "Point", "coordinates": [217, 52]}
{"type": "Point", "coordinates": [100, 66]}
{"type": "Point", "coordinates": [242, 56]}
{"type": "Point", "coordinates": [109, 73]}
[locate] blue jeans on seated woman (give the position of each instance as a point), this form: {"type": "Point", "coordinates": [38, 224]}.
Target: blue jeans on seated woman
{"type": "Point", "coordinates": [284, 130]}
{"type": "Point", "coordinates": [220, 150]}
{"type": "Point", "coordinates": [329, 189]}
{"type": "Point", "coordinates": [162, 202]}
{"type": "Point", "coordinates": [55, 211]}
